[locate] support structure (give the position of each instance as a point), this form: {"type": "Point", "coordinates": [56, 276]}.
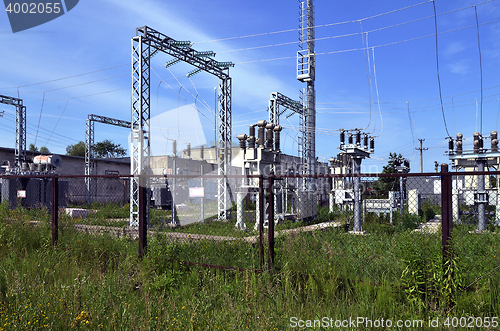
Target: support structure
{"type": "Point", "coordinates": [89, 147]}
{"type": "Point", "coordinates": [357, 153]}
{"type": "Point", "coordinates": [276, 100]}
{"type": "Point", "coordinates": [146, 43]}
{"type": "Point", "coordinates": [306, 65]}
{"type": "Point", "coordinates": [20, 146]}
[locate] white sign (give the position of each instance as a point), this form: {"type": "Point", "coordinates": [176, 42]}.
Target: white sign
{"type": "Point", "coordinates": [196, 192]}
{"type": "Point", "coordinates": [21, 194]}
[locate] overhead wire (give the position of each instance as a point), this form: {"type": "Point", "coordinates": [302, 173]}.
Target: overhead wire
{"type": "Point", "coordinates": [480, 70]}
{"type": "Point", "coordinates": [376, 46]}
{"type": "Point", "coordinates": [317, 26]}
{"type": "Point", "coordinates": [437, 69]}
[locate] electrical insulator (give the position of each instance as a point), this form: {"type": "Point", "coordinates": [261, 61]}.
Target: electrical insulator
{"type": "Point", "coordinates": [494, 141]}
{"type": "Point", "coordinates": [397, 162]}
{"type": "Point", "coordinates": [277, 130]}
{"type": "Point", "coordinates": [406, 163]}
{"type": "Point", "coordinates": [358, 138]}
{"type": "Point", "coordinates": [269, 136]}
{"type": "Point", "coordinates": [372, 144]}
{"type": "Point", "coordinates": [242, 138]}
{"type": "Point", "coordinates": [189, 150]}
{"type": "Point", "coordinates": [262, 132]}
{"type": "Point", "coordinates": [365, 141]}
{"type": "Point", "coordinates": [332, 162]}
{"type": "Point", "coordinates": [342, 137]}
{"type": "Point", "coordinates": [459, 143]}
{"type": "Point", "coordinates": [450, 145]}
{"type": "Point", "coordinates": [476, 142]}
{"type": "Point", "coordinates": [350, 139]}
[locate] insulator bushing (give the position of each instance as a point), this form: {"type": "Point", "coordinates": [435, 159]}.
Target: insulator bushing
{"type": "Point", "coordinates": [269, 136]}
{"type": "Point", "coordinates": [277, 133]}
{"type": "Point", "coordinates": [476, 146]}
{"type": "Point", "coordinates": [372, 144]}
{"type": "Point", "coordinates": [251, 131]}
{"type": "Point", "coordinates": [243, 140]}
{"type": "Point", "coordinates": [358, 138]}
{"type": "Point", "coordinates": [365, 141]}
{"type": "Point", "coordinates": [262, 133]}
{"type": "Point", "coordinates": [459, 143]}
{"type": "Point", "coordinates": [342, 137]}
{"type": "Point", "coordinates": [251, 142]}
{"type": "Point", "coordinates": [350, 139]}
{"type": "Point", "coordinates": [450, 145]}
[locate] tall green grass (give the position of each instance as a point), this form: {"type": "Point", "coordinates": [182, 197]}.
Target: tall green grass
{"type": "Point", "coordinates": [97, 282]}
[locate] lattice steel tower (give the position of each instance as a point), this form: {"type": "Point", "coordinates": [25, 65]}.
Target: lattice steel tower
{"type": "Point", "coordinates": [305, 73]}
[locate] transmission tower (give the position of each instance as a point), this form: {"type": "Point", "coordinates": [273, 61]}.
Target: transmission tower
{"type": "Point", "coordinates": [20, 147]}
{"type": "Point", "coordinates": [89, 147]}
{"type": "Point", "coordinates": [305, 73]}
{"type": "Point", "coordinates": [145, 44]}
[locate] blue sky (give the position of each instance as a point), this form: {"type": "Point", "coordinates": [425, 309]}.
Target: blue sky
{"type": "Point", "coordinates": [376, 69]}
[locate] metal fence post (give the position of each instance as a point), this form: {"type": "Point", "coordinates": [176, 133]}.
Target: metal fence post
{"type": "Point", "coordinates": [446, 208]}
{"type": "Point", "coordinates": [143, 227]}
{"type": "Point", "coordinates": [55, 210]}
{"type": "Point", "coordinates": [270, 219]}
{"type": "Point", "coordinates": [260, 208]}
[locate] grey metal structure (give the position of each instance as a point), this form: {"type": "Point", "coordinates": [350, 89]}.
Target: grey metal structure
{"type": "Point", "coordinates": [146, 43]}
{"type": "Point", "coordinates": [20, 147]}
{"type": "Point", "coordinates": [306, 65]}
{"type": "Point", "coordinates": [276, 100]}
{"type": "Point", "coordinates": [89, 147]}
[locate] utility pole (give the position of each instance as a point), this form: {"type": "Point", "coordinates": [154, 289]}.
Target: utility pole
{"type": "Point", "coordinates": [421, 155]}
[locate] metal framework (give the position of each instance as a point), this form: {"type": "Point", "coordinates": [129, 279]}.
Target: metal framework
{"type": "Point", "coordinates": [20, 147]}
{"type": "Point", "coordinates": [89, 147]}
{"type": "Point", "coordinates": [145, 44]}
{"type": "Point", "coordinates": [306, 65]}
{"type": "Point", "coordinates": [276, 100]}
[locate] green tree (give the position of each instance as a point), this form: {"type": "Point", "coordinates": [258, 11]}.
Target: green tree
{"type": "Point", "coordinates": [107, 149]}
{"type": "Point", "coordinates": [43, 149]}
{"type": "Point", "coordinates": [77, 149]}
{"type": "Point", "coordinates": [385, 184]}
{"type": "Point", "coordinates": [32, 148]}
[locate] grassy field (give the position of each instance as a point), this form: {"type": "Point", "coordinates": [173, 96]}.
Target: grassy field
{"type": "Point", "coordinates": [92, 282]}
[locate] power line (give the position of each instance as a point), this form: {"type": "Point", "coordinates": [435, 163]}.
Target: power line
{"type": "Point", "coordinates": [376, 46]}
{"type": "Point", "coordinates": [438, 78]}
{"type": "Point", "coordinates": [318, 26]}
{"type": "Point", "coordinates": [480, 69]}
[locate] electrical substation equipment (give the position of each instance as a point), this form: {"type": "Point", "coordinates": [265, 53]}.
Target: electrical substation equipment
{"type": "Point", "coordinates": [355, 150]}
{"type": "Point", "coordinates": [472, 189]}
{"type": "Point", "coordinates": [146, 43]}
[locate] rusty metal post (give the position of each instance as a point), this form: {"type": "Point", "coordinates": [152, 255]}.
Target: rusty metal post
{"type": "Point", "coordinates": [270, 219]}
{"type": "Point", "coordinates": [143, 227]}
{"type": "Point", "coordinates": [446, 208]}
{"type": "Point", "coordinates": [55, 210]}
{"type": "Point", "coordinates": [260, 207]}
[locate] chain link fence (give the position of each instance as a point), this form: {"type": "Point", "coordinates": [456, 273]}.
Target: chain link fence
{"type": "Point", "coordinates": [381, 228]}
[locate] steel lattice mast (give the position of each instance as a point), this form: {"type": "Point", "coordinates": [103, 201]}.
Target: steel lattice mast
{"type": "Point", "coordinates": [20, 147]}
{"type": "Point", "coordinates": [146, 39]}
{"type": "Point", "coordinates": [276, 100]}
{"type": "Point", "coordinates": [89, 147]}
{"type": "Point", "coordinates": [306, 73]}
